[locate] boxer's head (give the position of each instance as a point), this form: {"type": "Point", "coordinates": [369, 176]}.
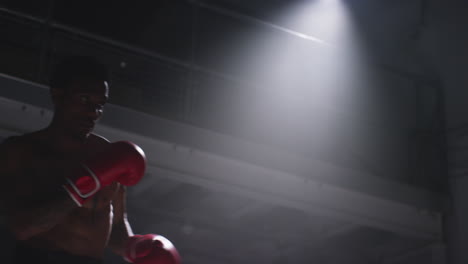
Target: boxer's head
{"type": "Point", "coordinates": [79, 90]}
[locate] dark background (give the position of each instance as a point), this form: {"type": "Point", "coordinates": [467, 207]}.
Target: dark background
{"type": "Point", "coordinates": [187, 61]}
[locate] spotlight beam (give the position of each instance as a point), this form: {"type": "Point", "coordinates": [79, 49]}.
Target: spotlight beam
{"type": "Point", "coordinates": [257, 21]}
{"type": "Point", "coordinates": [223, 163]}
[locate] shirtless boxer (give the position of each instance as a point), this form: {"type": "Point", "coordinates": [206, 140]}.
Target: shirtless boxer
{"type": "Point", "coordinates": [63, 187]}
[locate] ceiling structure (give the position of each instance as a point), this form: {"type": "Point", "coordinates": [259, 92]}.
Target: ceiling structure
{"type": "Point", "coordinates": [234, 177]}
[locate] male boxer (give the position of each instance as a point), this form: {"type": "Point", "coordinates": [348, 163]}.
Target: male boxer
{"type": "Point", "coordinates": [62, 187]}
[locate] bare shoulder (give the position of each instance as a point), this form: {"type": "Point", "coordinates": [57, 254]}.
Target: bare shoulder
{"type": "Point", "coordinates": [16, 155]}
{"type": "Point", "coordinates": [15, 142]}
{"type": "Point", "coordinates": [96, 140]}
{"type": "Point", "coordinates": [21, 153]}
{"type": "Point", "coordinates": [96, 144]}
{"type": "Point", "coordinates": [11, 150]}
{"type": "Point", "coordinates": [16, 148]}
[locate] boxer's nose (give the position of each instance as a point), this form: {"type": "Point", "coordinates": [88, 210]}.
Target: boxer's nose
{"type": "Point", "coordinates": [95, 112]}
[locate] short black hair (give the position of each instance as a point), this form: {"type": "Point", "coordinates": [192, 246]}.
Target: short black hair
{"type": "Point", "coordinates": [77, 68]}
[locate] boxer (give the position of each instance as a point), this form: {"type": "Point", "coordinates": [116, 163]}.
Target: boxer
{"type": "Point", "coordinates": [63, 187]}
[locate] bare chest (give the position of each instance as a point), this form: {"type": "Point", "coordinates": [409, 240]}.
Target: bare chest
{"type": "Point", "coordinates": [48, 168]}
{"type": "Point", "coordinates": [91, 223]}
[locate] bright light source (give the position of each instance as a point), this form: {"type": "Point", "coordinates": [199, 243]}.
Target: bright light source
{"type": "Point", "coordinates": [308, 66]}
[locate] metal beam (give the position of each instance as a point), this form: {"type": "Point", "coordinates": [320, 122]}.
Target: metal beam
{"type": "Point", "coordinates": [221, 173]}
{"type": "Point", "coordinates": [242, 17]}
{"type": "Point", "coordinates": [76, 32]}
{"type": "Point", "coordinates": [224, 163]}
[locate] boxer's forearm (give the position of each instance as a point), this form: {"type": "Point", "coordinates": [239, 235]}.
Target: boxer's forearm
{"type": "Point", "coordinates": [120, 233]}
{"type": "Point", "coordinates": [27, 222]}
{"type": "Point", "coordinates": [121, 229]}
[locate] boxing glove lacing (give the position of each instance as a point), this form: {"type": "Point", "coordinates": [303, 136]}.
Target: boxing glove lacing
{"type": "Point", "coordinates": [77, 191]}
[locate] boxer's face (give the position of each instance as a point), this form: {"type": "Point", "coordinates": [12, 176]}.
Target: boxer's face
{"type": "Point", "coordinates": [81, 107]}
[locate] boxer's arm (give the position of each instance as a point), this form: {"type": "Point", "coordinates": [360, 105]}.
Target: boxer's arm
{"type": "Point", "coordinates": [121, 229]}
{"type": "Point", "coordinates": [27, 214]}
{"type": "Point", "coordinates": [34, 218]}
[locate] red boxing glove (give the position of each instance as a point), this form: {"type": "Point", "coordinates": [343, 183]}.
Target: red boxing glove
{"type": "Point", "coordinates": [150, 249]}
{"type": "Point", "coordinates": [122, 162]}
